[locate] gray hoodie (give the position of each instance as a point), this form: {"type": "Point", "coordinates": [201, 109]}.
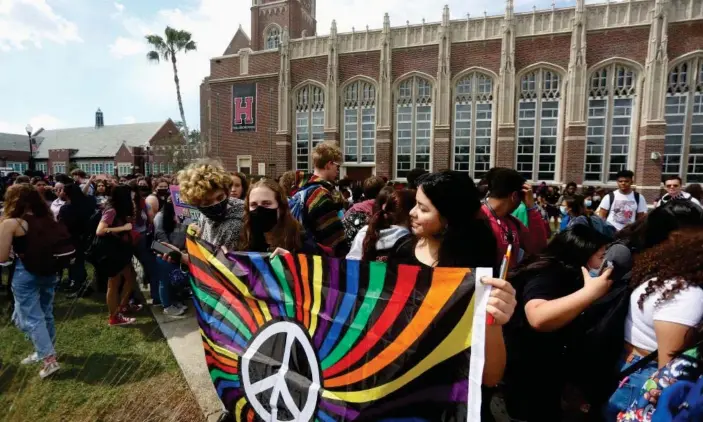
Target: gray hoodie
{"type": "Point", "coordinates": [386, 240]}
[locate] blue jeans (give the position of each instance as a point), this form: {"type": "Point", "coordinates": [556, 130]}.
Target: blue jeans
{"type": "Point", "coordinates": [147, 258]}
{"type": "Point", "coordinates": [163, 276]}
{"type": "Point", "coordinates": [630, 388]}
{"type": "Point", "coordinates": [34, 309]}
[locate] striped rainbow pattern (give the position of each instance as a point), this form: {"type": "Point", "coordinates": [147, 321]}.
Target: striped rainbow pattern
{"type": "Point", "coordinates": [360, 319]}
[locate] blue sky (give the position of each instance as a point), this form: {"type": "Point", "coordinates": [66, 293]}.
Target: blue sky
{"type": "Point", "coordinates": [62, 59]}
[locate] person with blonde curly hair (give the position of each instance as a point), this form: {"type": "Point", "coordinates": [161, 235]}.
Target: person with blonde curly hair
{"type": "Point", "coordinates": [206, 185]}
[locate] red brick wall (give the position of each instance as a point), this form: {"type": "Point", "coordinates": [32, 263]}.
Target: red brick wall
{"type": "Point", "coordinates": [441, 150]}
{"type": "Point", "coordinates": [574, 155]}
{"type": "Point", "coordinates": [314, 68]}
{"type": "Point", "coordinates": [421, 59]}
{"type": "Point", "coordinates": [264, 63]}
{"type": "Point", "coordinates": [551, 49]}
{"type": "Point", "coordinates": [227, 145]}
{"type": "Point", "coordinates": [630, 43]}
{"type": "Point", "coordinates": [21, 156]}
{"type": "Point", "coordinates": [259, 22]}
{"type": "Point", "coordinates": [505, 149]}
{"type": "Point", "coordinates": [484, 54]}
{"type": "Point", "coordinates": [384, 156]}
{"type": "Point", "coordinates": [224, 68]}
{"type": "Point", "coordinates": [124, 155]}
{"type": "Point", "coordinates": [238, 42]}
{"type": "Point", "coordinates": [366, 64]}
{"type": "Point", "coordinates": [685, 38]}
{"type": "Point", "coordinates": [204, 110]}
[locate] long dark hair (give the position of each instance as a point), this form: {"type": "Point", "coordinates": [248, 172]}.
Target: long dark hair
{"type": "Point", "coordinates": [467, 241]}
{"type": "Point", "coordinates": [121, 202]}
{"type": "Point", "coordinates": [394, 210]}
{"type": "Point", "coordinates": [80, 203]}
{"type": "Point", "coordinates": [245, 183]}
{"type": "Point", "coordinates": [656, 227]}
{"type": "Point", "coordinates": [169, 216]}
{"type": "Point", "coordinates": [569, 250]}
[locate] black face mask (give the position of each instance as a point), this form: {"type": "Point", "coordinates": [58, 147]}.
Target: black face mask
{"type": "Point", "coordinates": [162, 193]}
{"type": "Point", "coordinates": [263, 220]}
{"type": "Point", "coordinates": [215, 212]}
{"type": "Point", "coordinates": [144, 190]}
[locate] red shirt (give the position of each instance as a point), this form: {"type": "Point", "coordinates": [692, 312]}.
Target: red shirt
{"type": "Point", "coordinates": [507, 228]}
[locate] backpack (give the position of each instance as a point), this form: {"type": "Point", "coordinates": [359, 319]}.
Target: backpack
{"type": "Point", "coordinates": [611, 196]}
{"type": "Point", "coordinates": [597, 346]}
{"type": "Point", "coordinates": [49, 246]}
{"type": "Point", "coordinates": [353, 222]}
{"type": "Point", "coordinates": [297, 202]}
{"type": "Point", "coordinates": [680, 402]}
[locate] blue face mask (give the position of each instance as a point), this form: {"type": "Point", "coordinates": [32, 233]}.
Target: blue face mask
{"type": "Point", "coordinates": [588, 203]}
{"type": "Point", "coordinates": [562, 210]}
{"type": "Point", "coordinates": [594, 272]}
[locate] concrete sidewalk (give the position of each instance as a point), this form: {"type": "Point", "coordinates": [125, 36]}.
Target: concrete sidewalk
{"type": "Point", "coordinates": [186, 344]}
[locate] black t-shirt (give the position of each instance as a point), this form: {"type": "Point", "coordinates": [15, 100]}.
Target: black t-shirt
{"type": "Point", "coordinates": [530, 349]}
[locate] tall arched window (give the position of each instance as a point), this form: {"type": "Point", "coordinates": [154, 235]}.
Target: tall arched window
{"type": "Point", "coordinates": [359, 122]}
{"type": "Point", "coordinates": [537, 124]}
{"type": "Point", "coordinates": [413, 125]}
{"type": "Point", "coordinates": [610, 103]}
{"type": "Point", "coordinates": [684, 122]}
{"type": "Point", "coordinates": [273, 37]}
{"type": "Point", "coordinates": [473, 114]}
{"type": "Point", "coordinates": [309, 124]}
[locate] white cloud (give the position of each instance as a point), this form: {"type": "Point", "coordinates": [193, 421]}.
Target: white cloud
{"type": "Point", "coordinates": [119, 7]}
{"type": "Point", "coordinates": [45, 121]}
{"type": "Point", "coordinates": [33, 22]}
{"type": "Point", "coordinates": [129, 120]}
{"type": "Point", "coordinates": [123, 47]}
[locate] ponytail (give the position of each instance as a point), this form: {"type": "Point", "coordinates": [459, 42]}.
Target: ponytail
{"type": "Point", "coordinates": [393, 210]}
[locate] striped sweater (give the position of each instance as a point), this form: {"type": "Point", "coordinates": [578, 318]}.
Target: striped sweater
{"type": "Point", "coordinates": [322, 216]}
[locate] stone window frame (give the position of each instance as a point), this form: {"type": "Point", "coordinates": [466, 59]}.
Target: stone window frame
{"type": "Point", "coordinates": [395, 103]}
{"type": "Point", "coordinates": [539, 92]}
{"type": "Point", "coordinates": [689, 89]}
{"type": "Point", "coordinates": [342, 119]}
{"type": "Point", "coordinates": [638, 84]}
{"type": "Point", "coordinates": [294, 112]}
{"type": "Point", "coordinates": [474, 71]}
{"type": "Point", "coordinates": [267, 34]}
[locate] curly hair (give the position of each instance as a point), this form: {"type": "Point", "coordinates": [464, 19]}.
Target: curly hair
{"type": "Point", "coordinates": [679, 258]}
{"type": "Point", "coordinates": [23, 198]}
{"type": "Point", "coordinates": [286, 234]}
{"type": "Point", "coordinates": [202, 178]}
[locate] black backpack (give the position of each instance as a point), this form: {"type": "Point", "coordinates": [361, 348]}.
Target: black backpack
{"type": "Point", "coordinates": [598, 343]}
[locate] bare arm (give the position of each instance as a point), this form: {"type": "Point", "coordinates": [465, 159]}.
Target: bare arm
{"type": "Point", "coordinates": [103, 228]}
{"type": "Point", "coordinates": [495, 356]}
{"type": "Point", "coordinates": [602, 213]}
{"type": "Point", "coordinates": [7, 232]}
{"type": "Point", "coordinates": [551, 315]}
{"type": "Point", "coordinates": [152, 207]}
{"type": "Point", "coordinates": [670, 339]}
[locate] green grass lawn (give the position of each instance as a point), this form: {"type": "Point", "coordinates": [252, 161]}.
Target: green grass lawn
{"type": "Point", "coordinates": [107, 373]}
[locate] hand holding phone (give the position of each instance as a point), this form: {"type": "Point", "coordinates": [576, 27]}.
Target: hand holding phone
{"type": "Point", "coordinates": [173, 255]}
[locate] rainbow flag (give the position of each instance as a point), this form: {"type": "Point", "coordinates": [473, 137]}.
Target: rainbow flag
{"type": "Point", "coordinates": [310, 338]}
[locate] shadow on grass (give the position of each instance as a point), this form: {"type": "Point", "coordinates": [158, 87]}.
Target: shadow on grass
{"type": "Point", "coordinates": [108, 369]}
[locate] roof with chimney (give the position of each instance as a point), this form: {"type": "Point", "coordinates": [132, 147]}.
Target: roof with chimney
{"type": "Point", "coordinates": [96, 142]}
{"type": "Point", "coordinates": [12, 142]}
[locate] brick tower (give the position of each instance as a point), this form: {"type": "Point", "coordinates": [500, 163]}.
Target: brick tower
{"type": "Point", "coordinates": [270, 17]}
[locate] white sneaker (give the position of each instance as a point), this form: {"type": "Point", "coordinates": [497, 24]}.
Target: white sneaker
{"type": "Point", "coordinates": [49, 369]}
{"type": "Point", "coordinates": [174, 311]}
{"type": "Point", "coordinates": [31, 359]}
{"type": "Point", "coordinates": [180, 305]}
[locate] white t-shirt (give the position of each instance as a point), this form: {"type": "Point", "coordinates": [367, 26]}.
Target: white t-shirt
{"type": "Point", "coordinates": [686, 308]}
{"type": "Point", "coordinates": [624, 210]}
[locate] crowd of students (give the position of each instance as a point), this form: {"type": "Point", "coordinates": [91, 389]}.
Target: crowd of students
{"type": "Point", "coordinates": [570, 327]}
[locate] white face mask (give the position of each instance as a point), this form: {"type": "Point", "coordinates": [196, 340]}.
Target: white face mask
{"type": "Point", "coordinates": [562, 210]}
{"type": "Point", "coordinates": [596, 198]}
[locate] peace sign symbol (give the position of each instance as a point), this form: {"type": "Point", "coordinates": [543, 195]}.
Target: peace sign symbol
{"type": "Point", "coordinates": [280, 374]}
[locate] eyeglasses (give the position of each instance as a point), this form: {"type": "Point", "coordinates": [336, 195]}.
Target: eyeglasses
{"type": "Point", "coordinates": [673, 186]}
{"type": "Point", "coordinates": [336, 164]}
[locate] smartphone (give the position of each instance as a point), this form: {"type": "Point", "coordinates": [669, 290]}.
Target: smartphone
{"type": "Point", "coordinates": [163, 249]}
{"type": "Point", "coordinates": [605, 265]}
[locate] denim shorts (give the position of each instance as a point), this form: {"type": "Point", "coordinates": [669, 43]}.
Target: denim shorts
{"type": "Point", "coordinates": [630, 388]}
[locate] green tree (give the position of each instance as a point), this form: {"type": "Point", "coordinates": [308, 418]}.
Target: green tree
{"type": "Point", "coordinates": [167, 48]}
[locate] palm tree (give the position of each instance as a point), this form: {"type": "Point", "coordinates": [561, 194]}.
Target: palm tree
{"type": "Point", "coordinates": [166, 49]}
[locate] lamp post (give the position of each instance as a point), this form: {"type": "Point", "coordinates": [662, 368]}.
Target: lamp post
{"type": "Point", "coordinates": [29, 129]}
